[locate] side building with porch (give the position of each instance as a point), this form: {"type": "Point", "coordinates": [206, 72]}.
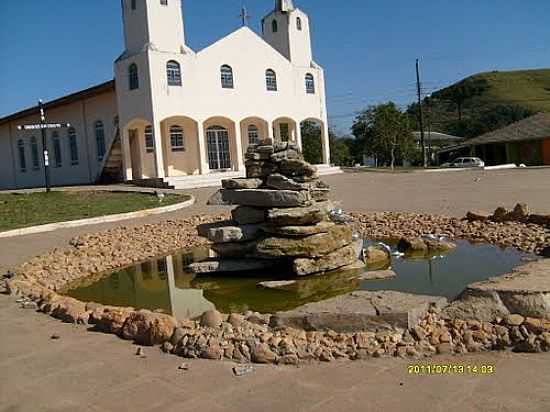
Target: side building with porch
{"type": "Point", "coordinates": [524, 142]}
{"type": "Point", "coordinates": [178, 117]}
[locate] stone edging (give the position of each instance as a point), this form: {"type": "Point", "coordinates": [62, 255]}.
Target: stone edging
{"type": "Point", "coordinates": [97, 220]}
{"type": "Point", "coordinates": [252, 337]}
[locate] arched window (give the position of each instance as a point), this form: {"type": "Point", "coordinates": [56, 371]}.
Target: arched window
{"type": "Point", "coordinates": [149, 139]}
{"type": "Point", "coordinates": [173, 73]}
{"type": "Point", "coordinates": [34, 154]}
{"type": "Point", "coordinates": [133, 77]}
{"type": "Point", "coordinates": [164, 2]}
{"type": "Point", "coordinates": [227, 77]}
{"type": "Point", "coordinates": [56, 150]}
{"type": "Point", "coordinates": [22, 158]}
{"type": "Point", "coordinates": [271, 80]}
{"type": "Point", "coordinates": [310, 84]}
{"type": "Point", "coordinates": [133, 4]}
{"type": "Point", "coordinates": [299, 23]}
{"type": "Point", "coordinates": [73, 146]}
{"type": "Point", "coordinates": [176, 139]}
{"type": "Point", "coordinates": [100, 140]}
{"type": "Point", "coordinates": [253, 137]}
{"type": "Point", "coordinates": [274, 26]}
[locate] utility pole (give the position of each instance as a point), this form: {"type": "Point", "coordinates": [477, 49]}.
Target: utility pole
{"type": "Point", "coordinates": [420, 117]}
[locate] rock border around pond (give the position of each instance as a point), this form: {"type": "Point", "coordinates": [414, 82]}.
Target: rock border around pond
{"type": "Point", "coordinates": [249, 337]}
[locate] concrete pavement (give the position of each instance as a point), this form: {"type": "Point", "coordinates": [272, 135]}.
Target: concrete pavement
{"type": "Point", "coordinates": [87, 371]}
{"type": "Point", "coordinates": [94, 372]}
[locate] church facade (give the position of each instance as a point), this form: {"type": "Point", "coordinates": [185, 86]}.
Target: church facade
{"type": "Point", "coordinates": [175, 116]}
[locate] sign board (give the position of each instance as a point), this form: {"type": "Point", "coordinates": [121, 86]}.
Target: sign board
{"type": "Point", "coordinates": [40, 126]}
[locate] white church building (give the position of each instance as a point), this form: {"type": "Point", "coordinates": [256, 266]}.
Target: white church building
{"type": "Point", "coordinates": [173, 116]}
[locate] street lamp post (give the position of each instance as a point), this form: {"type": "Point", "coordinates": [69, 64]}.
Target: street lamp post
{"type": "Point", "coordinates": [43, 126]}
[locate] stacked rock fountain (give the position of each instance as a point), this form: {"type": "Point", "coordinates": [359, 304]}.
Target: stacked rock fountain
{"type": "Point", "coordinates": [282, 219]}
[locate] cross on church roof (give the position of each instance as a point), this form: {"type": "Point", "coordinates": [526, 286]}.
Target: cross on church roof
{"type": "Point", "coordinates": [245, 17]}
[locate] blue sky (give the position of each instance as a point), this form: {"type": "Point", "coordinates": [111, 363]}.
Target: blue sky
{"type": "Point", "coordinates": [49, 48]}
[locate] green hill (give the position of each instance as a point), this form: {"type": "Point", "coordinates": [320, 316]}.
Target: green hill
{"type": "Point", "coordinates": [487, 101]}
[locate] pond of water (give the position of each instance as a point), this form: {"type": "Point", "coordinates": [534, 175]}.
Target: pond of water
{"type": "Point", "coordinates": [164, 284]}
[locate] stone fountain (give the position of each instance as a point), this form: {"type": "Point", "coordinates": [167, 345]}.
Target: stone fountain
{"type": "Point", "coordinates": [282, 219]}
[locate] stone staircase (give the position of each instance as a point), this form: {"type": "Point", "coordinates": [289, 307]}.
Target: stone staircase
{"type": "Point", "coordinates": [112, 167]}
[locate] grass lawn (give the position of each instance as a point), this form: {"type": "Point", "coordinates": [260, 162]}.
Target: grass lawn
{"type": "Point", "coordinates": [23, 210]}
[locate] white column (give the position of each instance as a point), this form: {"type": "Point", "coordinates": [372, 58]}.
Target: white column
{"type": "Point", "coordinates": [126, 154]}
{"type": "Point", "coordinates": [203, 155]}
{"type": "Point", "coordinates": [326, 143]}
{"type": "Point", "coordinates": [299, 135]}
{"type": "Point", "coordinates": [270, 133]}
{"type": "Point", "coordinates": [171, 283]}
{"type": "Point", "coordinates": [159, 153]}
{"type": "Point", "coordinates": [239, 147]}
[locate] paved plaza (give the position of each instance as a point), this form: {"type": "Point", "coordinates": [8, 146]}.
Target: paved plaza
{"type": "Point", "coordinates": [87, 371]}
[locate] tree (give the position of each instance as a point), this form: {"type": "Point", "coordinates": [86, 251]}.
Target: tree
{"type": "Point", "coordinates": [340, 150]}
{"type": "Point", "coordinates": [384, 132]}
{"type": "Point", "coordinates": [312, 148]}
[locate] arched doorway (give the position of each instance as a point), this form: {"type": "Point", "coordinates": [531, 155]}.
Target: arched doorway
{"type": "Point", "coordinates": [217, 140]}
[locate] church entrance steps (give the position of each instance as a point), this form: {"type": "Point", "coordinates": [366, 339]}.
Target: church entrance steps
{"type": "Point", "coordinates": [196, 181]}
{"type": "Point", "coordinates": [325, 170]}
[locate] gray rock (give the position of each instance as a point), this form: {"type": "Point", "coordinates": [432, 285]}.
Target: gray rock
{"type": "Point", "coordinates": [177, 336]}
{"type": "Point", "coordinates": [335, 260]}
{"type": "Point", "coordinates": [297, 167]}
{"type": "Point", "coordinates": [525, 291]}
{"type": "Point", "coordinates": [259, 169]}
{"type": "Point", "coordinates": [217, 200]}
{"type": "Point", "coordinates": [412, 245]}
{"type": "Point", "coordinates": [277, 284]}
{"type": "Point", "coordinates": [267, 198]}
{"type": "Point", "coordinates": [358, 311]}
{"type": "Point", "coordinates": [261, 353]}
{"type": "Point", "coordinates": [211, 319]}
{"type": "Point", "coordinates": [377, 275]}
{"type": "Point", "coordinates": [29, 305]}
{"type": "Point", "coordinates": [235, 320]}
{"type": "Point", "coordinates": [233, 250]}
{"type": "Point", "coordinates": [245, 215]}
{"type": "Point", "coordinates": [265, 149]}
{"type": "Point", "coordinates": [227, 234]}
{"type": "Point", "coordinates": [251, 183]}
{"type": "Point", "coordinates": [375, 256]}
{"type": "Point", "coordinates": [299, 216]}
{"type": "Point", "coordinates": [309, 247]}
{"type": "Point", "coordinates": [320, 194]}
{"type": "Point", "coordinates": [280, 182]}
{"type": "Point", "coordinates": [321, 227]}
{"type": "Point", "coordinates": [253, 156]}
{"type": "Point", "coordinates": [230, 265]}
{"type": "Point", "coordinates": [286, 154]}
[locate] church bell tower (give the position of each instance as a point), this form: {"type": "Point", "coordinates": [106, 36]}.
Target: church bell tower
{"type": "Point", "coordinates": [286, 28]}
{"type": "Point", "coordinates": [153, 24]}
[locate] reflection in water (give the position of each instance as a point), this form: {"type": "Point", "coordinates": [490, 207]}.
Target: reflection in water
{"type": "Point", "coordinates": [164, 284]}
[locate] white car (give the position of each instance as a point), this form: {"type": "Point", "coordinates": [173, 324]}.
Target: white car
{"type": "Point", "coordinates": [467, 162]}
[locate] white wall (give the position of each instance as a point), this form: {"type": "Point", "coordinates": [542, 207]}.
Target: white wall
{"type": "Point", "coordinates": [81, 114]}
